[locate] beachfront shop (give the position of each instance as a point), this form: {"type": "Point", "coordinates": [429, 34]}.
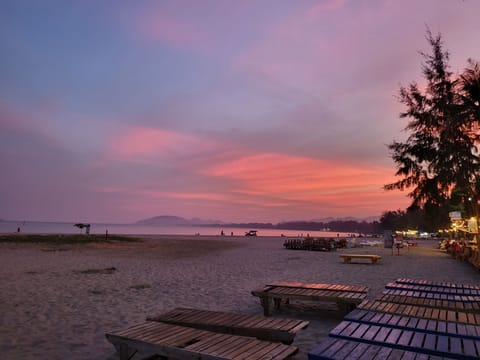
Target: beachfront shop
{"type": "Point", "coordinates": [462, 239]}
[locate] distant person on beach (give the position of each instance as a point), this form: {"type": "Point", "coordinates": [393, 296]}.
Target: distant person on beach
{"type": "Point", "coordinates": [18, 229]}
{"type": "Point", "coordinates": [222, 233]}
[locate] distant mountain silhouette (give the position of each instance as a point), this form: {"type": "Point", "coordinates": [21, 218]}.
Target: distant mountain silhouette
{"type": "Point", "coordinates": [169, 220]}
{"type": "Point", "coordinates": [346, 218]}
{"type": "Point", "coordinates": [347, 224]}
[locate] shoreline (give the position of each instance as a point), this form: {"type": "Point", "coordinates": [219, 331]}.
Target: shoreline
{"type": "Point", "coordinates": [59, 303]}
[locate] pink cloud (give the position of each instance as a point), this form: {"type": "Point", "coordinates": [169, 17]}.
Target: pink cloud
{"type": "Point", "coordinates": [146, 144]}
{"type": "Point", "coordinates": [297, 178]}
{"type": "Point", "coordinates": [199, 196]}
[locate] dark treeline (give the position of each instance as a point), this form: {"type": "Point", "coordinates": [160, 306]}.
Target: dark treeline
{"type": "Point", "coordinates": [351, 226]}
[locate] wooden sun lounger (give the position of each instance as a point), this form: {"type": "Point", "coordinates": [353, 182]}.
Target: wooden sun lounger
{"type": "Point", "coordinates": [405, 327]}
{"type": "Point", "coordinates": [432, 296]}
{"type": "Point", "coordinates": [181, 343]}
{"type": "Point", "coordinates": [345, 296]}
{"type": "Point", "coordinates": [436, 284]}
{"type": "Point", "coordinates": [465, 306]}
{"type": "Point", "coordinates": [339, 349]}
{"type": "Point", "coordinates": [347, 258]}
{"type": "Point", "coordinates": [421, 311]}
{"type": "Point", "coordinates": [433, 289]}
{"type": "Point", "coordinates": [270, 329]}
{"type": "Point", "coordinates": [415, 341]}
{"type": "Point", "coordinates": [429, 326]}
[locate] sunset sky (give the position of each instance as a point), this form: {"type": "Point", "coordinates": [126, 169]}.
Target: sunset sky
{"type": "Point", "coordinates": [115, 111]}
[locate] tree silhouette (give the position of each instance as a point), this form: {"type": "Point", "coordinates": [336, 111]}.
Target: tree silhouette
{"type": "Point", "coordinates": [440, 155]}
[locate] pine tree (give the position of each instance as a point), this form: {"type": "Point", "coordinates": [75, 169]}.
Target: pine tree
{"type": "Point", "coordinates": [440, 154]}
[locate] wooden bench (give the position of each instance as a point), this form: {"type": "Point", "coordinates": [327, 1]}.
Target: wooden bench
{"type": "Point", "coordinates": [278, 330]}
{"type": "Point", "coordinates": [346, 297]}
{"type": "Point", "coordinates": [347, 258]}
{"type": "Point", "coordinates": [410, 340]}
{"type": "Point", "coordinates": [180, 342]}
{"type": "Point", "coordinates": [421, 311]}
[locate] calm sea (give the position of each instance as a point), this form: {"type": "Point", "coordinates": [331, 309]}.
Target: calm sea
{"type": "Point", "coordinates": [36, 227]}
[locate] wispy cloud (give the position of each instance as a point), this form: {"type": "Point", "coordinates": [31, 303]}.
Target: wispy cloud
{"type": "Point", "coordinates": [142, 144]}
{"type": "Point", "coordinates": [296, 178]}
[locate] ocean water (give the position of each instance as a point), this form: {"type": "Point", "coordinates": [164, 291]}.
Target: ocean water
{"type": "Point", "coordinates": [37, 227]}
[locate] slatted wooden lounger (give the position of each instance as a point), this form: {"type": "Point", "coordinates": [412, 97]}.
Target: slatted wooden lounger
{"type": "Point", "coordinates": [466, 306]}
{"type": "Point", "coordinates": [271, 329]}
{"type": "Point", "coordinates": [432, 295]}
{"type": "Point", "coordinates": [421, 311]}
{"type": "Point", "coordinates": [339, 349]}
{"type": "Point", "coordinates": [444, 297]}
{"type": "Point", "coordinates": [436, 284]}
{"type": "Point", "coordinates": [181, 343]}
{"type": "Point", "coordinates": [409, 340]}
{"type": "Point", "coordinates": [430, 326]}
{"type": "Point", "coordinates": [434, 289]}
{"type": "Point", "coordinates": [345, 296]}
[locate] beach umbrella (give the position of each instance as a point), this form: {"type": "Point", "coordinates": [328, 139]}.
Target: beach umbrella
{"type": "Point", "coordinates": [81, 225]}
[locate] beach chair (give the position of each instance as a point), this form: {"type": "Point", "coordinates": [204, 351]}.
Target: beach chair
{"type": "Point", "coordinates": [405, 322]}
{"type": "Point", "coordinates": [180, 342]}
{"type": "Point", "coordinates": [420, 311]}
{"type": "Point", "coordinates": [406, 326]}
{"type": "Point", "coordinates": [277, 330]}
{"type": "Point", "coordinates": [431, 286]}
{"type": "Point", "coordinates": [340, 349]}
{"type": "Point", "coordinates": [418, 339]}
{"type": "Point", "coordinates": [431, 295]}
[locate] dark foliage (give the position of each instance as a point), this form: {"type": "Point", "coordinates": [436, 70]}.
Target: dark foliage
{"type": "Point", "coordinates": [439, 162]}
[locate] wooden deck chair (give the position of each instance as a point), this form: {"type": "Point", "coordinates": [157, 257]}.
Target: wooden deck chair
{"type": "Point", "coordinates": [182, 343]}
{"type": "Point", "coordinates": [274, 329]}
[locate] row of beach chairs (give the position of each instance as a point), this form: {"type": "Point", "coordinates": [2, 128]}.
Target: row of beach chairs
{"type": "Point", "coordinates": [313, 244]}
{"type": "Point", "coordinates": [202, 334]}
{"type": "Point", "coordinates": [211, 335]}
{"type": "Point", "coordinates": [412, 319]}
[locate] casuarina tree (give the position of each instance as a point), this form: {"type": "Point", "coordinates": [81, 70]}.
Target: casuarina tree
{"type": "Point", "coordinates": [440, 154]}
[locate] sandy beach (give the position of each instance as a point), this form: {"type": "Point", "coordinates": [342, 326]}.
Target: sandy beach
{"type": "Point", "coordinates": [58, 302]}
